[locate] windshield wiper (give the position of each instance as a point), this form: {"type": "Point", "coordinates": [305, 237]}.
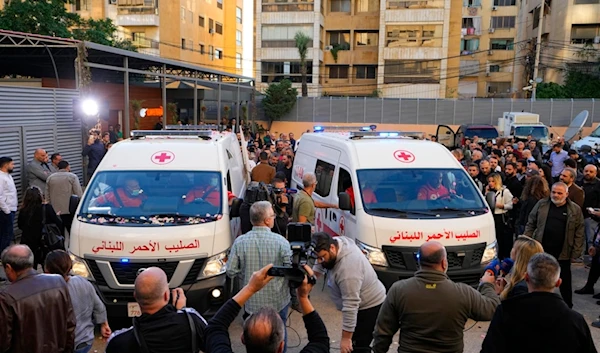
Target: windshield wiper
{"type": "Point", "coordinates": [113, 219]}
{"type": "Point", "coordinates": [454, 209]}
{"type": "Point", "coordinates": [404, 212]}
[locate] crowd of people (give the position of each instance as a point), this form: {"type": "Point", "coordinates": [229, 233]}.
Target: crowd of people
{"type": "Point", "coordinates": [546, 214]}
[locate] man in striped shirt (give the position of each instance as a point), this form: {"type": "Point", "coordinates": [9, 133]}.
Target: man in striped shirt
{"type": "Point", "coordinates": [256, 249]}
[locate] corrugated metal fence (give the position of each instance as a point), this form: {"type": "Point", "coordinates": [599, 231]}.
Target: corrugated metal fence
{"type": "Point", "coordinates": [32, 118]}
{"type": "Point", "coordinates": [553, 112]}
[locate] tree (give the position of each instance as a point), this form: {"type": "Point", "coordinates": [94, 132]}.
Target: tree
{"type": "Point", "coordinates": [51, 18]}
{"type": "Point", "coordinates": [279, 100]}
{"type": "Point", "coordinates": [302, 41]}
{"type": "Point", "coordinates": [550, 90]}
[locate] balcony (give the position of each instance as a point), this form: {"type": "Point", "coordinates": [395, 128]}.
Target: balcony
{"type": "Point", "coordinates": [137, 13]}
{"type": "Point", "coordinates": [343, 57]}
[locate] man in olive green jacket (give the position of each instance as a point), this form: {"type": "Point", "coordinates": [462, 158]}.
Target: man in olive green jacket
{"type": "Point", "coordinates": [557, 223]}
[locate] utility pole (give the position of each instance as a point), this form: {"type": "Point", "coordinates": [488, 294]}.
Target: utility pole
{"type": "Point", "coordinates": [538, 49]}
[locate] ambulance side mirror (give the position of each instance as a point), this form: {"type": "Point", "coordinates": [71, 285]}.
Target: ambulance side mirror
{"type": "Point", "coordinates": [73, 203]}
{"type": "Point", "coordinates": [234, 210]}
{"type": "Point", "coordinates": [344, 201]}
{"type": "Point", "coordinates": [490, 197]}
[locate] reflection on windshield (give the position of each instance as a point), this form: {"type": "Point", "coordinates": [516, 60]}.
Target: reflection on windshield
{"type": "Point", "coordinates": [152, 198]}
{"type": "Point", "coordinates": [419, 191]}
{"type": "Point", "coordinates": [482, 133]}
{"type": "Point", "coordinates": [596, 133]}
{"type": "Point", "coordinates": [537, 132]}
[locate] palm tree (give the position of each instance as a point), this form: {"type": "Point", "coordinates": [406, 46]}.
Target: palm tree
{"type": "Point", "coordinates": [302, 41]}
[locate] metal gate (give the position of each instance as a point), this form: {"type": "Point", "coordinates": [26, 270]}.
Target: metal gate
{"type": "Point", "coordinates": [32, 118]}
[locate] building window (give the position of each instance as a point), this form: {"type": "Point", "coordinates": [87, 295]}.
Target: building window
{"type": "Point", "coordinates": [338, 71]}
{"type": "Point", "coordinates": [503, 22]}
{"type": "Point", "coordinates": [494, 68]}
{"type": "Point", "coordinates": [414, 4]}
{"type": "Point", "coordinates": [585, 34]}
{"type": "Point", "coordinates": [182, 43]}
{"type": "Point", "coordinates": [182, 14]}
{"type": "Point", "coordinates": [324, 172]}
{"type": "Point", "coordinates": [582, 2]}
{"type": "Point", "coordinates": [339, 38]}
{"type": "Point", "coordinates": [469, 46]}
{"type": "Point", "coordinates": [201, 21]}
{"type": "Point", "coordinates": [190, 44]}
{"type": "Point", "coordinates": [368, 72]}
{"type": "Point", "coordinates": [414, 36]}
{"type": "Point", "coordinates": [339, 6]}
{"type": "Point", "coordinates": [218, 28]}
{"type": "Point", "coordinates": [502, 44]}
{"type": "Point", "coordinates": [499, 88]}
{"type": "Point", "coordinates": [289, 70]}
{"type": "Point", "coordinates": [238, 37]}
{"type": "Point", "coordinates": [211, 52]}
{"type": "Point", "coordinates": [367, 6]}
{"type": "Point", "coordinates": [220, 4]}
{"type": "Point", "coordinates": [411, 71]}
{"type": "Point", "coordinates": [218, 54]}
{"type": "Point", "coordinates": [366, 39]}
{"type": "Point", "coordinates": [471, 3]}
{"type": "Point", "coordinates": [211, 24]}
{"type": "Point", "coordinates": [469, 68]}
{"type": "Point", "coordinates": [505, 2]}
{"type": "Point", "coordinates": [81, 5]}
{"type": "Point", "coordinates": [287, 5]}
{"type": "Point", "coordinates": [275, 36]}
{"type": "Point", "coordinates": [238, 15]}
{"type": "Point", "coordinates": [238, 61]}
{"type": "Point", "coordinates": [202, 49]}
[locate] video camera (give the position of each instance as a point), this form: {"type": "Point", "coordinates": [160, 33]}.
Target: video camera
{"type": "Point", "coordinates": [299, 236]}
{"type": "Point", "coordinates": [264, 192]}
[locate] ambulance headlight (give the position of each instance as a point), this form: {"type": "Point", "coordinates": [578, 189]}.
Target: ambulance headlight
{"type": "Point", "coordinates": [214, 266]}
{"type": "Point", "coordinates": [490, 253]}
{"type": "Point", "coordinates": [374, 255]}
{"type": "Point", "coordinates": [80, 268]}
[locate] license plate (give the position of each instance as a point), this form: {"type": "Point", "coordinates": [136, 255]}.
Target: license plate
{"type": "Point", "coordinates": [133, 310]}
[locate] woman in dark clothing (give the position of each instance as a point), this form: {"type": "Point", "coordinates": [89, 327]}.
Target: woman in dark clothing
{"type": "Point", "coordinates": [536, 188]}
{"type": "Point", "coordinates": [30, 222]}
{"type": "Point", "coordinates": [546, 173]}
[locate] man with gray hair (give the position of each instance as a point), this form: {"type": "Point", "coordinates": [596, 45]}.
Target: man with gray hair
{"type": "Point", "coordinates": [303, 210]}
{"type": "Point", "coordinates": [36, 313]}
{"type": "Point", "coordinates": [256, 249]}
{"type": "Point", "coordinates": [557, 223]}
{"type": "Point", "coordinates": [165, 324]}
{"type": "Point", "coordinates": [540, 313]}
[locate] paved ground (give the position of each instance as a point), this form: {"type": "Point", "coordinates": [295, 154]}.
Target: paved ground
{"type": "Point", "coordinates": [473, 337]}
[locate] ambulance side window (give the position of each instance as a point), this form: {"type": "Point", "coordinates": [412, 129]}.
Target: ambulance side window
{"type": "Point", "coordinates": [324, 173]}
{"type": "Point", "coordinates": [345, 183]}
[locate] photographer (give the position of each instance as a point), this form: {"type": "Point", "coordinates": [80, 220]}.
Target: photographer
{"type": "Point", "coordinates": [95, 151]}
{"type": "Point", "coordinates": [277, 195]}
{"type": "Point", "coordinates": [263, 331]}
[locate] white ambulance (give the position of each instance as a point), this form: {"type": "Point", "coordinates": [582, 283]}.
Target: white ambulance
{"type": "Point", "coordinates": [395, 193]}
{"type": "Point", "coordinates": [160, 199]}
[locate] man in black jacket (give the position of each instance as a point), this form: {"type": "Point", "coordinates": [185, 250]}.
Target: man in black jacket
{"type": "Point", "coordinates": [264, 330]}
{"type": "Point", "coordinates": [540, 313]}
{"type": "Point", "coordinates": [163, 327]}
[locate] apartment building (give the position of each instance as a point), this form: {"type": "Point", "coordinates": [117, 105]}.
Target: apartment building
{"type": "Point", "coordinates": [567, 28]}
{"type": "Point", "coordinates": [203, 32]}
{"type": "Point", "coordinates": [489, 66]}
{"type": "Point", "coordinates": [389, 48]}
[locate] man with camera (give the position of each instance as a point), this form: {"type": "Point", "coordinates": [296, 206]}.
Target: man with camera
{"type": "Point", "coordinates": [254, 250]}
{"type": "Point", "coordinates": [354, 288]}
{"type": "Point", "coordinates": [277, 195]}
{"type": "Point", "coordinates": [264, 330]}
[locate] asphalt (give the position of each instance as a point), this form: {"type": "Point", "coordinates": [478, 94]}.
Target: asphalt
{"type": "Point", "coordinates": [473, 336]}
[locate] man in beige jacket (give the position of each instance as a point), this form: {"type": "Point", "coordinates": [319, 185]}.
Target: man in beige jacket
{"type": "Point", "coordinates": [59, 188]}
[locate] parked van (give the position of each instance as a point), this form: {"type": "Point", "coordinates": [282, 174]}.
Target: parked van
{"type": "Point", "coordinates": [160, 199]}
{"type": "Point", "coordinates": [447, 137]}
{"type": "Point", "coordinates": [395, 193]}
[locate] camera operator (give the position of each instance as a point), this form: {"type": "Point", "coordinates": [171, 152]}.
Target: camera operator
{"type": "Point", "coordinates": [276, 193]}
{"type": "Point", "coordinates": [264, 331]}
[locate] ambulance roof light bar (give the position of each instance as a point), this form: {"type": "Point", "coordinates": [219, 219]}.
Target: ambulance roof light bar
{"type": "Point", "coordinates": [321, 128]}
{"type": "Point", "coordinates": [203, 134]}
{"type": "Point", "coordinates": [212, 127]}
{"type": "Point", "coordinates": [388, 134]}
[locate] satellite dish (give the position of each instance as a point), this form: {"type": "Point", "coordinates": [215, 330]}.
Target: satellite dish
{"type": "Point", "coordinates": [576, 125]}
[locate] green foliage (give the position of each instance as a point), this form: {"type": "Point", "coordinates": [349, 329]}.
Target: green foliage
{"type": "Point", "coordinates": [577, 85]}
{"type": "Point", "coordinates": [550, 90]}
{"type": "Point", "coordinates": [279, 100]}
{"type": "Point", "coordinates": [302, 41]}
{"type": "Point", "coordinates": [51, 18]}
{"type": "Point", "coordinates": [337, 47]}
{"type": "Point", "coordinates": [376, 93]}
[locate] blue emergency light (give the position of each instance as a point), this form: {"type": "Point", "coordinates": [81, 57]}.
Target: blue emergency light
{"type": "Point", "coordinates": [318, 129]}
{"type": "Point", "coordinates": [124, 260]}
{"type": "Point", "coordinates": [389, 134]}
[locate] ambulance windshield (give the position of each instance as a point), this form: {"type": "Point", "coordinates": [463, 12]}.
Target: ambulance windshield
{"type": "Point", "coordinates": [448, 192]}
{"type": "Point", "coordinates": [152, 198]}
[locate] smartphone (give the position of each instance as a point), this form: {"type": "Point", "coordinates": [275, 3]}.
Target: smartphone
{"type": "Point", "coordinates": [290, 273]}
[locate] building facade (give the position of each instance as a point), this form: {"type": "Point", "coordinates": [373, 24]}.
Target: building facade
{"type": "Point", "coordinates": [202, 32]}
{"type": "Point", "coordinates": [568, 27]}
{"type": "Point", "coordinates": [387, 48]}
{"type": "Point", "coordinates": [489, 41]}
